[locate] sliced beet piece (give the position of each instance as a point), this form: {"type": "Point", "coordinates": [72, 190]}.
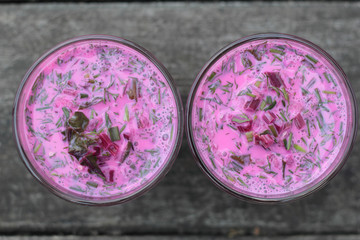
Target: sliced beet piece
{"type": "Point", "coordinates": [252, 105]}
{"type": "Point", "coordinates": [111, 175]}
{"type": "Point", "coordinates": [242, 159]}
{"type": "Point", "coordinates": [275, 79]}
{"type": "Point", "coordinates": [299, 121]}
{"type": "Point", "coordinates": [105, 141]}
{"type": "Point", "coordinates": [91, 162]}
{"type": "Point", "coordinates": [113, 149]}
{"type": "Point", "coordinates": [269, 117]}
{"type": "Point", "coordinates": [264, 140]}
{"type": "Point", "coordinates": [245, 126]}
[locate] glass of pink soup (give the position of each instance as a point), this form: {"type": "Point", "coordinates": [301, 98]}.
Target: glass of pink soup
{"type": "Point", "coordinates": [98, 120]}
{"type": "Point", "coordinates": [271, 118]}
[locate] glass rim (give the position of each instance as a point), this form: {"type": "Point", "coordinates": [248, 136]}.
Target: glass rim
{"type": "Point", "coordinates": [142, 189]}
{"type": "Point", "coordinates": [307, 190]}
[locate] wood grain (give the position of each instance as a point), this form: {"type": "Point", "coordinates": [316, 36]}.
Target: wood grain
{"type": "Point", "coordinates": [183, 36]}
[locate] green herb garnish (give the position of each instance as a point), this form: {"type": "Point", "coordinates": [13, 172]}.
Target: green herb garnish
{"type": "Point", "coordinates": [114, 133]}
{"type": "Point", "coordinates": [329, 92]}
{"type": "Point", "coordinates": [37, 148]}
{"type": "Point", "coordinates": [212, 75]}
{"type": "Point", "coordinates": [250, 94]}
{"type": "Point", "coordinates": [308, 128]}
{"type": "Point", "coordinates": [242, 182]}
{"type": "Point", "coordinates": [312, 59]}
{"type": "Point", "coordinates": [271, 106]}
{"type": "Point", "coordinates": [273, 130]}
{"type": "Point", "coordinates": [84, 95]}
{"type": "Point", "coordinates": [299, 148]}
{"type": "Point", "coordinates": [66, 112]}
{"type": "Point", "coordinates": [257, 84]}
{"type": "Point", "coordinates": [126, 116]}
{"type": "Point", "coordinates": [92, 184]}
{"type": "Point", "coordinates": [108, 122]}
{"type": "Point", "coordinates": [288, 141]}
{"type": "Point", "coordinates": [122, 128]}
{"type": "Point", "coordinates": [78, 121]}
{"type": "Point", "coordinates": [249, 136]}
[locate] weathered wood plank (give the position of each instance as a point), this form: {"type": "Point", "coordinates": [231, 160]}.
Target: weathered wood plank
{"type": "Point", "coordinates": [183, 36]}
{"type": "Point", "coordinates": [316, 237]}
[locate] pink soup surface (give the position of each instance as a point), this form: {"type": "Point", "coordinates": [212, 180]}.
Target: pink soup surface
{"type": "Point", "coordinates": [269, 117]}
{"type": "Point", "coordinates": [100, 119]}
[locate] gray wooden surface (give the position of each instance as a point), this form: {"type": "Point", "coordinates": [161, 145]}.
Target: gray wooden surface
{"type": "Point", "coordinates": [183, 36]}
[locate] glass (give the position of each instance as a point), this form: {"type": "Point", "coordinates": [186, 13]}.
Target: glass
{"type": "Point", "coordinates": [207, 72]}
{"type": "Point", "coordinates": [25, 150]}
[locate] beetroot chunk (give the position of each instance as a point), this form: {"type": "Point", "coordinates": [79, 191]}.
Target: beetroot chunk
{"type": "Point", "coordinates": [264, 140]}
{"type": "Point", "coordinates": [245, 126]}
{"type": "Point", "coordinates": [269, 117]}
{"type": "Point", "coordinates": [275, 79]}
{"type": "Point", "coordinates": [105, 141]}
{"type": "Point", "coordinates": [299, 121]}
{"type": "Point", "coordinates": [111, 176]}
{"type": "Point", "coordinates": [252, 105]}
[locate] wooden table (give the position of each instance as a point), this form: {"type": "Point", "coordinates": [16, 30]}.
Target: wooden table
{"type": "Point", "coordinates": [183, 36]}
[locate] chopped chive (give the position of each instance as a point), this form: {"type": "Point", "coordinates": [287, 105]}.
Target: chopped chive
{"type": "Point", "coordinates": [304, 141]}
{"type": "Point", "coordinates": [200, 114]}
{"type": "Point", "coordinates": [77, 188]}
{"type": "Point", "coordinates": [308, 128]}
{"type": "Point", "coordinates": [299, 148]}
{"type": "Point", "coordinates": [283, 168]}
{"type": "Point", "coordinates": [273, 50]}
{"type": "Point", "coordinates": [108, 122]}
{"type": "Point", "coordinates": [312, 59]}
{"type": "Point", "coordinates": [212, 75]}
{"type": "Point", "coordinates": [66, 112]}
{"type": "Point", "coordinates": [172, 132]}
{"type": "Point", "coordinates": [114, 133]}
{"type": "Point", "coordinates": [283, 116]}
{"type": "Point", "coordinates": [250, 94]}
{"type": "Point", "coordinates": [242, 182]}
{"type": "Point", "coordinates": [231, 126]}
{"type": "Point", "coordinates": [268, 100]}
{"type": "Point", "coordinates": [159, 96]}
{"type": "Point", "coordinates": [83, 95]}
{"type": "Point", "coordinates": [126, 116]}
{"type": "Point", "coordinates": [273, 130]}
{"type": "Point", "coordinates": [276, 90]}
{"type": "Point", "coordinates": [304, 91]}
{"type": "Point", "coordinates": [257, 84]}
{"type": "Point", "coordinates": [332, 80]}
{"type": "Point", "coordinates": [37, 148]}
{"type": "Point", "coordinates": [286, 96]}
{"type": "Point", "coordinates": [211, 156]}
{"type": "Point", "coordinates": [122, 128]}
{"type": "Point", "coordinates": [329, 92]}
{"type": "Point", "coordinates": [289, 141]}
{"type": "Point", "coordinates": [276, 57]}
{"type": "Point", "coordinates": [326, 77]}
{"type": "Point", "coordinates": [234, 119]}
{"type": "Point", "coordinates": [92, 114]}
{"type": "Point", "coordinates": [249, 136]}
{"type": "Point", "coordinates": [43, 108]}
{"type": "Point", "coordinates": [317, 93]}
{"type": "Point", "coordinates": [92, 184]}
{"type": "Point", "coordinates": [263, 105]}
{"type": "Point", "coordinates": [271, 106]}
